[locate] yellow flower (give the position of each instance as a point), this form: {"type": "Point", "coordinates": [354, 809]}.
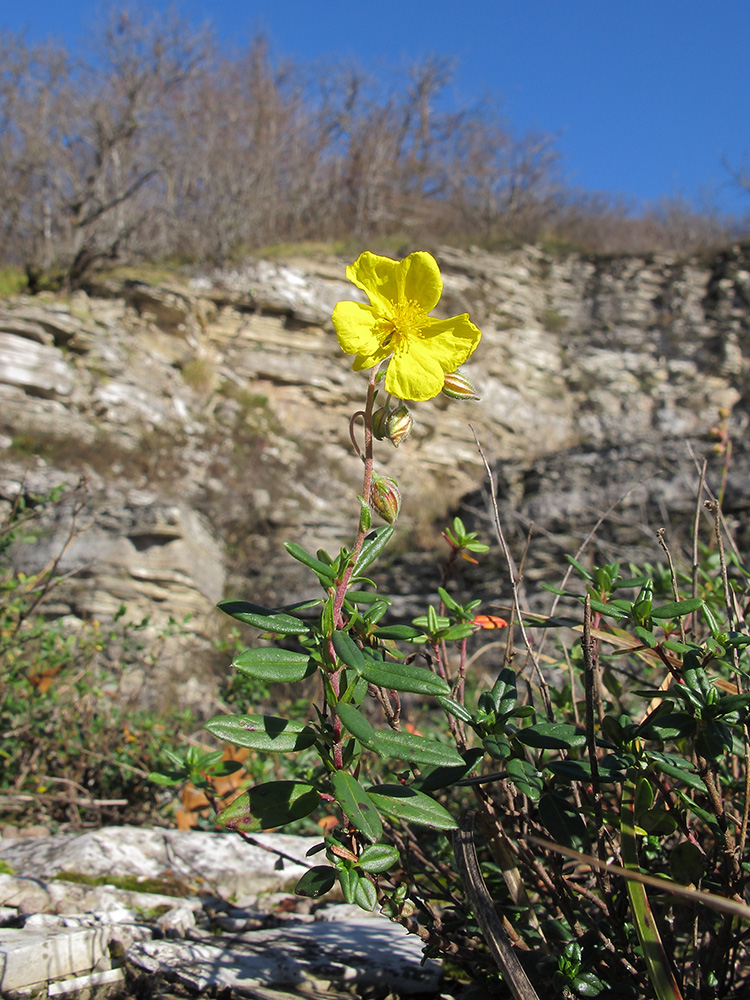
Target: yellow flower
{"type": "Point", "coordinates": [396, 324]}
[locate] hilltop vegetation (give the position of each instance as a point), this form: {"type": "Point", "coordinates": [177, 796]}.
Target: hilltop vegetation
{"type": "Point", "coordinates": [160, 145]}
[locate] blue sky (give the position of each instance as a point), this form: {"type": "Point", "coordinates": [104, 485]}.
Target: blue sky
{"type": "Point", "coordinates": [647, 96]}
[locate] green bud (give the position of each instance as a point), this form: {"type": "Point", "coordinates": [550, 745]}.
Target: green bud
{"type": "Point", "coordinates": [399, 425]}
{"type": "Point", "coordinates": [380, 422]}
{"type": "Point", "coordinates": [395, 425]}
{"type": "Point", "coordinates": [385, 498]}
{"type": "Point", "coordinates": [458, 386]}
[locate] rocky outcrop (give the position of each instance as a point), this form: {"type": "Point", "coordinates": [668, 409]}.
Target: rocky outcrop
{"type": "Point", "coordinates": [210, 419]}
{"type": "Point", "coordinates": [134, 910]}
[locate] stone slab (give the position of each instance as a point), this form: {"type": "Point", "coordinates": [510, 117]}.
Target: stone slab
{"type": "Point", "coordinates": [37, 956]}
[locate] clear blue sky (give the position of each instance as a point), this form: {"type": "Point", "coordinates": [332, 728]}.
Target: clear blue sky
{"type": "Point", "coordinates": [648, 96]}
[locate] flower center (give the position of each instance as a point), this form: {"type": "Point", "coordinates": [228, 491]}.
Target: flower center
{"type": "Point", "coordinates": [407, 319]}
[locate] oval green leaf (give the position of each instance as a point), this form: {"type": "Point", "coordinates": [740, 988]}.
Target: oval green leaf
{"type": "Point", "coordinates": [440, 777]}
{"type": "Point", "coordinates": [263, 618]}
{"type": "Point", "coordinates": [347, 650]}
{"type": "Point", "coordinates": [551, 736]}
{"type": "Point", "coordinates": [282, 666]}
{"type": "Point", "coordinates": [411, 806]}
{"type": "Point", "coordinates": [359, 727]}
{"type": "Point", "coordinates": [269, 805]}
{"type": "Point", "coordinates": [357, 805]}
{"type": "Point", "coordinates": [373, 546]}
{"type": "Point", "coordinates": [455, 708]}
{"type": "Point", "coordinates": [677, 608]}
{"type": "Point", "coordinates": [564, 825]}
{"type": "Point", "coordinates": [262, 732]}
{"type": "Point", "coordinates": [378, 858]}
{"type": "Point", "coordinates": [404, 677]}
{"type": "Point", "coordinates": [316, 882]}
{"type": "Point", "coordinates": [418, 749]}
{"type": "Point", "coordinates": [397, 632]}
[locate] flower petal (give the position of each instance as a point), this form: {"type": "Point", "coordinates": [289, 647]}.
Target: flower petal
{"type": "Point", "coordinates": [377, 277]}
{"type": "Point", "coordinates": [421, 279]}
{"type": "Point", "coordinates": [414, 374]}
{"type": "Point", "coordinates": [386, 281]}
{"type": "Point", "coordinates": [354, 323]}
{"type": "Point", "coordinates": [449, 341]}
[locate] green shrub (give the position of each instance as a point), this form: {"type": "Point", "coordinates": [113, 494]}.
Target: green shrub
{"type": "Point", "coordinates": [575, 827]}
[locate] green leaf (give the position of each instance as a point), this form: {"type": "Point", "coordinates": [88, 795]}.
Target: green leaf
{"type": "Point", "coordinates": [677, 767]}
{"type": "Point", "coordinates": [551, 736]}
{"type": "Point", "coordinates": [261, 732]}
{"type": "Point", "coordinates": [643, 798]}
{"type": "Point", "coordinates": [269, 805]}
{"type": "Point", "coordinates": [441, 777]}
{"type": "Point", "coordinates": [610, 609]}
{"type": "Point", "coordinates": [316, 882]}
{"type": "Point", "coordinates": [411, 806]}
{"type": "Point", "coordinates": [670, 726]}
{"type": "Point", "coordinates": [686, 863]}
{"type": "Point", "coordinates": [418, 749]}
{"type": "Point", "coordinates": [348, 880]}
{"type": "Point", "coordinates": [322, 570]}
{"type": "Point", "coordinates": [713, 739]}
{"type": "Point", "coordinates": [404, 677]}
{"type": "Point", "coordinates": [587, 984]}
{"type": "Point", "coordinates": [372, 547]}
{"type": "Point", "coordinates": [403, 632]}
{"type": "Point", "coordinates": [378, 858]}
{"type": "Point", "coordinates": [564, 825]}
{"type": "Point", "coordinates": [263, 618]}
{"type": "Point", "coordinates": [461, 631]}
{"type": "Point", "coordinates": [580, 770]}
{"type": "Point", "coordinates": [363, 597]}
{"type": "Point", "coordinates": [676, 609]}
{"type": "Point", "coordinates": [497, 746]}
{"type": "Point", "coordinates": [365, 894]}
{"type": "Point", "coordinates": [504, 694]}
{"type": "Point", "coordinates": [526, 778]}
{"type": "Point", "coordinates": [732, 703]}
{"type": "Point", "coordinates": [274, 665]}
{"type": "Point", "coordinates": [581, 569]}
{"type": "Point", "coordinates": [167, 778]}
{"type": "Point", "coordinates": [356, 723]}
{"type": "Point", "coordinates": [347, 650]}
{"type": "Point", "coordinates": [455, 708]}
{"type": "Point", "coordinates": [357, 805]}
{"type": "Point", "coordinates": [283, 666]}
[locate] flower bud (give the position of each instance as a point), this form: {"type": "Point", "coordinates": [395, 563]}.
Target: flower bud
{"type": "Point", "coordinates": [385, 498]}
{"type": "Point", "coordinates": [458, 386]}
{"type": "Point", "coordinates": [398, 425]}
{"type": "Point", "coordinates": [395, 425]}
{"type": "Point", "coordinates": [380, 422]}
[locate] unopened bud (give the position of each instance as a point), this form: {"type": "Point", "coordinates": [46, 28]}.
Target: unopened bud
{"type": "Point", "coordinates": [385, 498]}
{"type": "Point", "coordinates": [380, 422]}
{"type": "Point", "coordinates": [398, 425]}
{"type": "Point", "coordinates": [458, 386]}
{"type": "Point", "coordinates": [395, 425]}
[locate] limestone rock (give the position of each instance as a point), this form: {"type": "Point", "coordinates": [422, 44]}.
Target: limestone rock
{"type": "Point", "coordinates": [66, 930]}
{"type": "Point", "coordinates": [210, 417]}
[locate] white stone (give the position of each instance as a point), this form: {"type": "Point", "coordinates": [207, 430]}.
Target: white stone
{"type": "Point", "coordinates": [36, 956]}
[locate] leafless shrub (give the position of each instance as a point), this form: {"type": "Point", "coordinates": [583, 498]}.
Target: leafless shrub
{"type": "Point", "coordinates": [160, 145]}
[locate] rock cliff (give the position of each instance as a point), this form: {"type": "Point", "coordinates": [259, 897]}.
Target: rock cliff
{"type": "Point", "coordinates": [209, 416]}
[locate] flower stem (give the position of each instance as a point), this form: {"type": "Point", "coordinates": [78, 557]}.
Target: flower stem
{"type": "Point", "coordinates": [366, 489]}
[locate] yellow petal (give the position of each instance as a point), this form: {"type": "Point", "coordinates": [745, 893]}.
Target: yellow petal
{"type": "Point", "coordinates": [387, 281]}
{"type": "Point", "coordinates": [354, 323]}
{"type": "Point", "coordinates": [449, 341]}
{"type": "Point", "coordinates": [421, 279]}
{"type": "Point", "coordinates": [414, 375]}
